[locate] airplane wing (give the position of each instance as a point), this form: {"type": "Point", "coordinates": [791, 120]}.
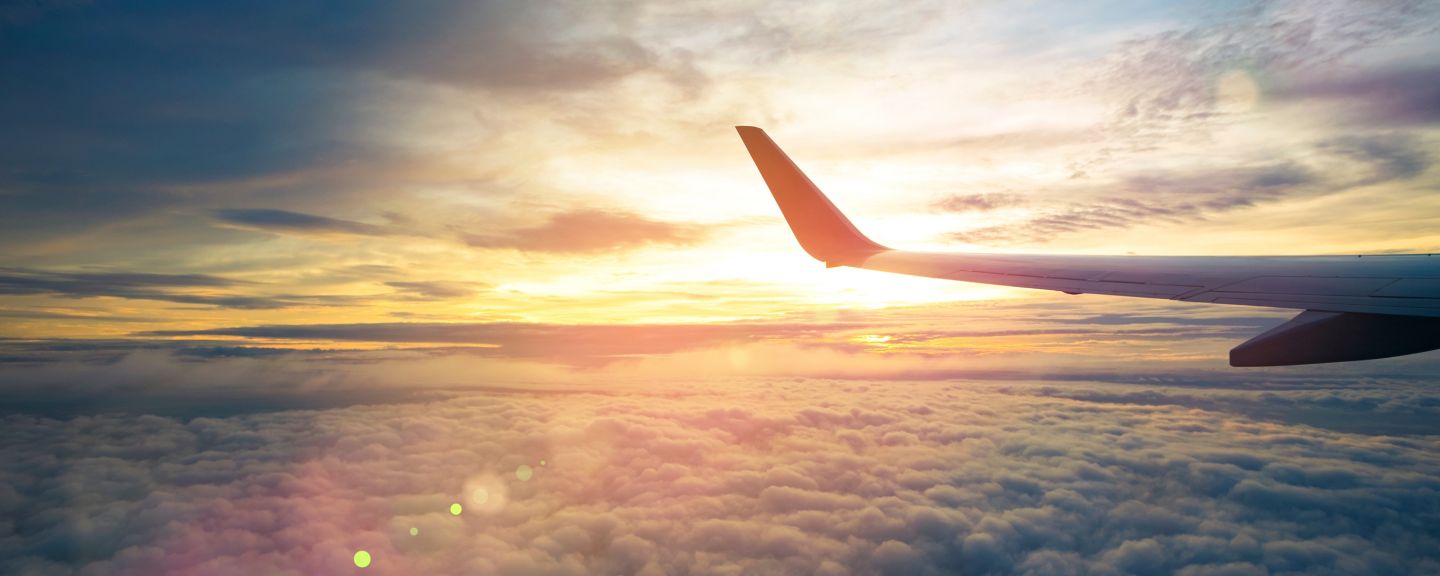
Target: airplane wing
{"type": "Point", "coordinates": [1354, 307]}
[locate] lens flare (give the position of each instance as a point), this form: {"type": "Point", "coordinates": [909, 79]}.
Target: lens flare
{"type": "Point", "coordinates": [455, 509]}
{"type": "Point", "coordinates": [362, 559]}
{"type": "Point", "coordinates": [524, 472]}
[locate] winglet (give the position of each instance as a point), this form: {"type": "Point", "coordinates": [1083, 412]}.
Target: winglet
{"type": "Point", "coordinates": [822, 230]}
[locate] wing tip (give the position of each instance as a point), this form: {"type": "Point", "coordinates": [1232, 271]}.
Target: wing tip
{"type": "Point", "coordinates": [748, 132]}
{"type": "Point", "coordinates": [822, 230]}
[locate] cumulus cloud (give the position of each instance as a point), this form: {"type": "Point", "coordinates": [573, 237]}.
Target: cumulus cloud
{"type": "Point", "coordinates": [796, 476]}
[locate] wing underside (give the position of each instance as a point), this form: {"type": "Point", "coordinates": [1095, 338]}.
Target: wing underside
{"type": "Point", "coordinates": [1363, 306]}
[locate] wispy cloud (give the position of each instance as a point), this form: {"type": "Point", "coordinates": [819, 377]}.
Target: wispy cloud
{"type": "Point", "coordinates": [286, 221]}
{"type": "Point", "coordinates": [978, 202]}
{"type": "Point", "coordinates": [198, 289]}
{"type": "Point", "coordinates": [435, 290]}
{"type": "Point", "coordinates": [1401, 98]}
{"type": "Point", "coordinates": [1173, 197]}
{"type": "Point", "coordinates": [589, 231]}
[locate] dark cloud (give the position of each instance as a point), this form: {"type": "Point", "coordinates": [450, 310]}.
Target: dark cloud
{"type": "Point", "coordinates": [296, 222]}
{"type": "Point", "coordinates": [24, 281]}
{"type": "Point", "coordinates": [1395, 156]}
{"type": "Point", "coordinates": [591, 231]}
{"type": "Point", "coordinates": [435, 290]}
{"type": "Point", "coordinates": [34, 314]}
{"type": "Point", "coordinates": [978, 202]}
{"type": "Point", "coordinates": [198, 289]}
{"type": "Point", "coordinates": [1403, 97]}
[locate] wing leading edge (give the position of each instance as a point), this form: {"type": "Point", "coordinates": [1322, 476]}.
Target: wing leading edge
{"type": "Point", "coordinates": [1362, 307]}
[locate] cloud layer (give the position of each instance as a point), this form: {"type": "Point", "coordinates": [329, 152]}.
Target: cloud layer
{"type": "Point", "coordinates": [796, 476]}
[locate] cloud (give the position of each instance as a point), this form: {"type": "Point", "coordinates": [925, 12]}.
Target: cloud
{"type": "Point", "coordinates": [1176, 89]}
{"type": "Point", "coordinates": [584, 343]}
{"type": "Point", "coordinates": [591, 231]}
{"type": "Point", "coordinates": [1120, 213]}
{"type": "Point", "coordinates": [922, 331]}
{"type": "Point", "coordinates": [1399, 97]}
{"type": "Point", "coordinates": [133, 111]}
{"type": "Point", "coordinates": [1168, 78]}
{"type": "Point", "coordinates": [285, 221]}
{"type": "Point", "coordinates": [1393, 156]}
{"type": "Point", "coordinates": [435, 289]}
{"type": "Point", "coordinates": [1112, 213]}
{"type": "Point", "coordinates": [1175, 197]}
{"type": "Point", "coordinates": [200, 289]}
{"type": "Point", "coordinates": [33, 314]}
{"type": "Point", "coordinates": [978, 202]}
{"type": "Point", "coordinates": [577, 231]}
{"type": "Point", "coordinates": [741, 475]}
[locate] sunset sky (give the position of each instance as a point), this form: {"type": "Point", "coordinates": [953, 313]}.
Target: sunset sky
{"type": "Point", "coordinates": [406, 223]}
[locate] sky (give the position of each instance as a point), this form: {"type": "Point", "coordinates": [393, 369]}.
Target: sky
{"type": "Point", "coordinates": [280, 281]}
